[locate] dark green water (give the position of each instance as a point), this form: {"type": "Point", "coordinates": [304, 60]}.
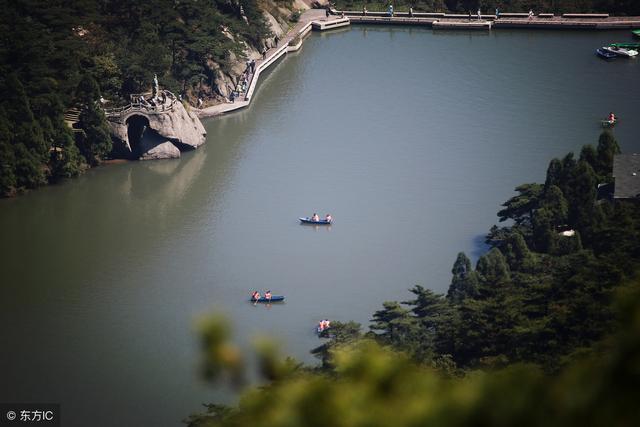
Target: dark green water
{"type": "Point", "coordinates": [410, 138]}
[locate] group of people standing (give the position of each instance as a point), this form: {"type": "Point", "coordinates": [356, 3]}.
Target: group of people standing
{"type": "Point", "coordinates": [243, 83]}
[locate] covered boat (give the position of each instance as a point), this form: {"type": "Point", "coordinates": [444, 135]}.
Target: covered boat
{"type": "Point", "coordinates": [636, 33]}
{"type": "Point", "coordinates": [620, 51]}
{"type": "Point", "coordinates": [274, 298]}
{"type": "Point", "coordinates": [605, 54]}
{"type": "Point", "coordinates": [308, 220]}
{"type": "Point", "coordinates": [634, 46]}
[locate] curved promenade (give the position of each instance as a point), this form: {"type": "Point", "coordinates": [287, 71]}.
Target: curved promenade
{"type": "Point", "coordinates": [317, 19]}
{"type": "Point", "coordinates": [291, 42]}
{"type": "Point", "coordinates": [567, 21]}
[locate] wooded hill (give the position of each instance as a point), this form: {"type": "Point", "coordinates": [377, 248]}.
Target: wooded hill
{"type": "Point", "coordinates": [60, 57]}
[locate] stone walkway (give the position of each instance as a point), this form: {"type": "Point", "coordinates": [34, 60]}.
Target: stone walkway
{"type": "Point", "coordinates": [301, 27]}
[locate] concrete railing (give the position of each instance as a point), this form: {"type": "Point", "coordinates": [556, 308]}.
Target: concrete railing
{"type": "Point", "coordinates": [586, 15]}
{"type": "Point", "coordinates": [139, 107]}
{"type": "Point", "coordinates": [282, 50]}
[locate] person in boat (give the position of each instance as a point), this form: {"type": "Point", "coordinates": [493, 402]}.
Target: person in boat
{"type": "Point", "coordinates": [323, 325]}
{"type": "Point", "coordinates": [267, 295]}
{"type": "Point", "coordinates": [255, 295]}
{"type": "Point", "coordinates": [612, 117]}
{"type": "Point", "coordinates": [315, 217]}
{"type": "Point", "coordinates": [328, 218]}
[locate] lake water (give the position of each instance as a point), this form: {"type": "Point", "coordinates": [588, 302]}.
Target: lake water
{"type": "Point", "coordinates": [411, 139]}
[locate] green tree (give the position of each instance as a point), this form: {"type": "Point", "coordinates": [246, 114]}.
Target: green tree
{"type": "Point", "coordinates": [544, 232]}
{"type": "Point", "coordinates": [583, 213]}
{"type": "Point", "coordinates": [394, 325]}
{"type": "Point", "coordinates": [95, 140]}
{"type": "Point", "coordinates": [556, 204]}
{"type": "Point", "coordinates": [520, 208]}
{"type": "Point", "coordinates": [492, 269]}
{"type": "Point", "coordinates": [8, 181]}
{"type": "Point", "coordinates": [518, 255]}
{"type": "Point", "coordinates": [464, 283]}
{"type": "Point", "coordinates": [607, 148]}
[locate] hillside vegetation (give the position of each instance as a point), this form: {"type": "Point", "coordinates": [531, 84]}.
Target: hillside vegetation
{"type": "Point", "coordinates": [545, 330]}
{"type": "Point", "coordinates": [57, 56]}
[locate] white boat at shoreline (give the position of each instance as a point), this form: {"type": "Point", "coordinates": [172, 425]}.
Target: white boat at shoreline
{"type": "Point", "coordinates": [620, 51]}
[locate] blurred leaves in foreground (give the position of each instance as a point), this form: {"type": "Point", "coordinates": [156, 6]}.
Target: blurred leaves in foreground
{"type": "Point", "coordinates": [370, 385]}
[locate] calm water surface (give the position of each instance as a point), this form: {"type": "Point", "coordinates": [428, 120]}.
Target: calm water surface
{"type": "Point", "coordinates": [410, 139]}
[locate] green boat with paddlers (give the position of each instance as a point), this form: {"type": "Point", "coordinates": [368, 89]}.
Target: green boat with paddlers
{"type": "Point", "coordinates": [634, 46]}
{"type": "Point", "coordinates": [636, 33]}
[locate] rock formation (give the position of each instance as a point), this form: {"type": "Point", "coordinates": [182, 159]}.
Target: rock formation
{"type": "Point", "coordinates": [159, 129]}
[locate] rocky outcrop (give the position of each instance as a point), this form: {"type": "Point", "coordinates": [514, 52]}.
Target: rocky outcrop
{"type": "Point", "coordinates": [146, 130]}
{"type": "Point", "coordinates": [224, 82]}
{"type": "Point", "coordinates": [161, 150]}
{"type": "Point", "coordinates": [179, 125]}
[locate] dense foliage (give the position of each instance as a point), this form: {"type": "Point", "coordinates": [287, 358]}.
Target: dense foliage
{"type": "Point", "coordinates": [532, 335]}
{"type": "Point", "coordinates": [59, 55]}
{"type": "Point", "coordinates": [543, 290]}
{"type": "Point", "coordinates": [615, 7]}
{"type": "Point", "coordinates": [370, 385]}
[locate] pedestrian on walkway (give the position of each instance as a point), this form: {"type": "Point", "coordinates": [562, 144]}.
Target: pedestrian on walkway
{"type": "Point", "coordinates": [479, 14]}
{"type": "Point", "coordinates": [530, 14]}
{"type": "Point", "coordinates": [497, 13]}
{"type": "Point", "coordinates": [264, 53]}
{"type": "Point", "coordinates": [327, 11]}
{"type": "Point", "coordinates": [410, 11]}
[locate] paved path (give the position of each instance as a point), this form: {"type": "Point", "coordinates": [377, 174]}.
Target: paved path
{"type": "Point", "coordinates": [275, 52]}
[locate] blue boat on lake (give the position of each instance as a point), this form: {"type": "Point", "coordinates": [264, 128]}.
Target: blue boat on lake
{"type": "Point", "coordinates": [605, 53]}
{"type": "Point", "coordinates": [311, 221]}
{"type": "Point", "coordinates": [274, 298]}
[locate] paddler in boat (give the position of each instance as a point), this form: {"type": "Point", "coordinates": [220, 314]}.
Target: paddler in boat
{"type": "Point", "coordinates": [328, 218]}
{"type": "Point", "coordinates": [255, 296]}
{"type": "Point", "coordinates": [267, 295]}
{"type": "Point", "coordinates": [315, 217]}
{"type": "Point", "coordinates": [612, 117]}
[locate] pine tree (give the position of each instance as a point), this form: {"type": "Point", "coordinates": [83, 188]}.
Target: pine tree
{"type": "Point", "coordinates": [492, 270]}
{"type": "Point", "coordinates": [607, 148]}
{"type": "Point", "coordinates": [396, 326]}
{"type": "Point", "coordinates": [8, 182]}
{"type": "Point", "coordinates": [95, 140]}
{"type": "Point", "coordinates": [464, 283]}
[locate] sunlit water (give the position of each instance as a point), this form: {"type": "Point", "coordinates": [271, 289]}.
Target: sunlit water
{"type": "Point", "coordinates": [410, 139]}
